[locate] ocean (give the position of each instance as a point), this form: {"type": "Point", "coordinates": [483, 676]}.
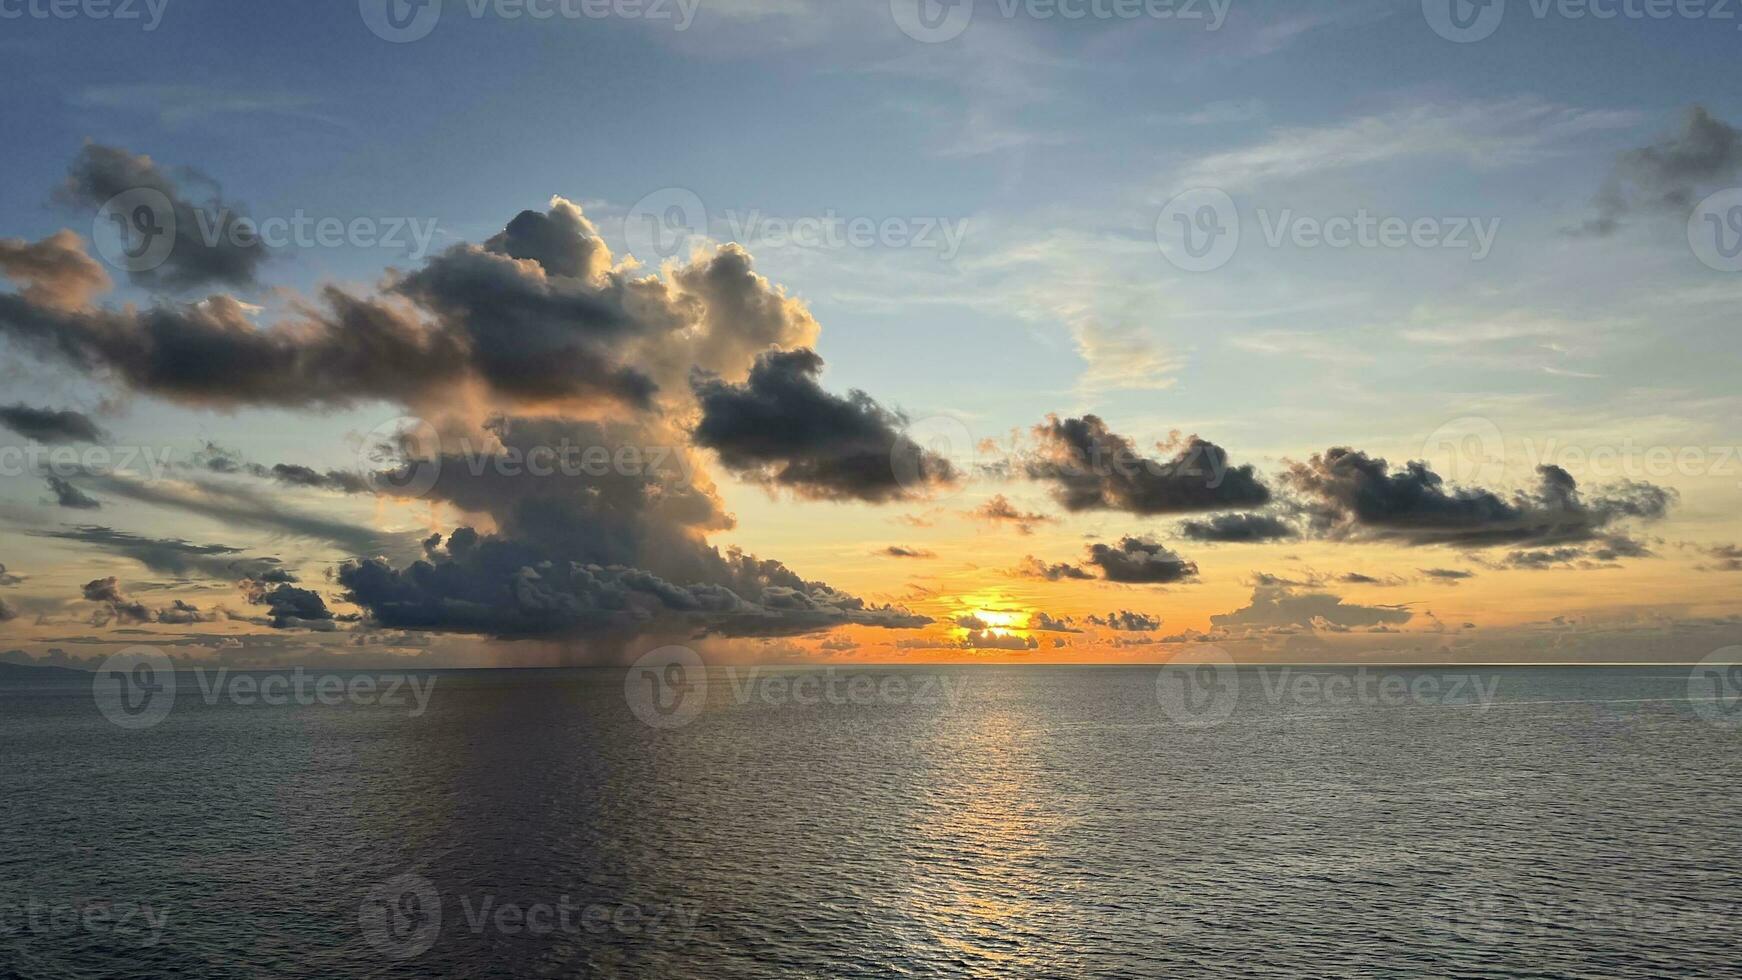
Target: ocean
{"type": "Point", "coordinates": [873, 822]}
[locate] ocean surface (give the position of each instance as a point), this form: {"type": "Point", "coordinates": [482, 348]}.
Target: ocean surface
{"type": "Point", "coordinates": [962, 822]}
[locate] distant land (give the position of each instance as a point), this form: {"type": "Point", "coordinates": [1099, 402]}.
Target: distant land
{"type": "Point", "coordinates": [33, 675]}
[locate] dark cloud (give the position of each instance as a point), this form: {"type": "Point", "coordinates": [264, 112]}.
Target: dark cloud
{"type": "Point", "coordinates": [106, 592]}
{"type": "Point", "coordinates": [289, 607]}
{"type": "Point", "coordinates": [535, 338]}
{"type": "Point", "coordinates": [781, 429]}
{"type": "Point", "coordinates": [242, 506]}
{"type": "Point", "coordinates": [1669, 175]}
{"type": "Point", "coordinates": [511, 589]}
{"type": "Point", "coordinates": [1238, 529]}
{"type": "Point", "coordinates": [1042, 622]}
{"type": "Point", "coordinates": [1448, 574]}
{"type": "Point", "coordinates": [1283, 607]}
{"type": "Point", "coordinates": [1094, 468]}
{"type": "Point", "coordinates": [7, 613]}
{"type": "Point", "coordinates": [545, 328]}
{"type": "Point", "coordinates": [1000, 512]}
{"type": "Point", "coordinates": [898, 551]}
{"type": "Point", "coordinates": [119, 608]}
{"type": "Point", "coordinates": [48, 426]}
{"type": "Point", "coordinates": [210, 353]}
{"type": "Point", "coordinates": [1126, 621]}
{"type": "Point", "coordinates": [1350, 495]}
{"type": "Point", "coordinates": [206, 251]}
{"type": "Point", "coordinates": [992, 640]}
{"type": "Point", "coordinates": [1135, 561]}
{"type": "Point", "coordinates": [170, 556]}
{"type": "Point", "coordinates": [70, 497]}
{"type": "Point", "coordinates": [7, 579]}
{"type": "Point", "coordinates": [56, 272]}
{"type": "Point", "coordinates": [603, 556]}
{"type": "Point", "coordinates": [1605, 553]}
{"type": "Point", "coordinates": [1728, 558]}
{"type": "Point", "coordinates": [181, 614]}
{"type": "Point", "coordinates": [303, 476]}
{"type": "Point", "coordinates": [1033, 567]}
{"type": "Point", "coordinates": [546, 317]}
{"type": "Point", "coordinates": [219, 459]}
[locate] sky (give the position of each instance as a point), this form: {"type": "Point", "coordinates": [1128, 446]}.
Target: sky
{"type": "Point", "coordinates": [1092, 331]}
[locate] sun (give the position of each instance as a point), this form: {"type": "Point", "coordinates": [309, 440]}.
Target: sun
{"type": "Point", "coordinates": [1001, 620]}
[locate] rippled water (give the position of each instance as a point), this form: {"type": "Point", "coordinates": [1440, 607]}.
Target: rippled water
{"type": "Point", "coordinates": [1025, 822]}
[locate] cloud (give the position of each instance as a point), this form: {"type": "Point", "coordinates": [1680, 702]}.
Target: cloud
{"type": "Point", "coordinates": [1486, 134]}
{"type": "Point", "coordinates": [7, 613]}
{"type": "Point", "coordinates": [781, 429]}
{"type": "Point", "coordinates": [511, 589]}
{"type": "Point", "coordinates": [1350, 495]}
{"type": "Point", "coordinates": [1449, 575]}
{"type": "Point", "coordinates": [1727, 556]}
{"type": "Point", "coordinates": [999, 511]}
{"type": "Point", "coordinates": [538, 316]}
{"type": "Point", "coordinates": [8, 579]}
{"type": "Point", "coordinates": [1125, 621]}
{"type": "Point", "coordinates": [241, 506]}
{"type": "Point", "coordinates": [1135, 561]}
{"type": "Point", "coordinates": [167, 555]}
{"type": "Point", "coordinates": [303, 476]}
{"type": "Point", "coordinates": [48, 426]}
{"type": "Point", "coordinates": [70, 497]}
{"type": "Point", "coordinates": [1238, 529]}
{"type": "Point", "coordinates": [288, 606]}
{"type": "Point", "coordinates": [1668, 176]}
{"type": "Point", "coordinates": [1281, 606]}
{"type": "Point", "coordinates": [898, 551]}
{"type": "Point", "coordinates": [1094, 468]}
{"type": "Point", "coordinates": [117, 607]}
{"type": "Point", "coordinates": [1605, 553]}
{"type": "Point", "coordinates": [1032, 567]}
{"type": "Point", "coordinates": [990, 640]}
{"type": "Point", "coordinates": [56, 272]}
{"type": "Point", "coordinates": [207, 251]}
{"type": "Point", "coordinates": [1042, 622]}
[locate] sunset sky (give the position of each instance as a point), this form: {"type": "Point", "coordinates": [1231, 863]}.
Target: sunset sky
{"type": "Point", "coordinates": [955, 325]}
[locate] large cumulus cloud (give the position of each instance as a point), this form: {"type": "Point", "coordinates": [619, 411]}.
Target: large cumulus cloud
{"type": "Point", "coordinates": [535, 339]}
{"type": "Point", "coordinates": [537, 316]}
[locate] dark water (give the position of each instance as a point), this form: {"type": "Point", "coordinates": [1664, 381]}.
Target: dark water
{"type": "Point", "coordinates": [1020, 822]}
